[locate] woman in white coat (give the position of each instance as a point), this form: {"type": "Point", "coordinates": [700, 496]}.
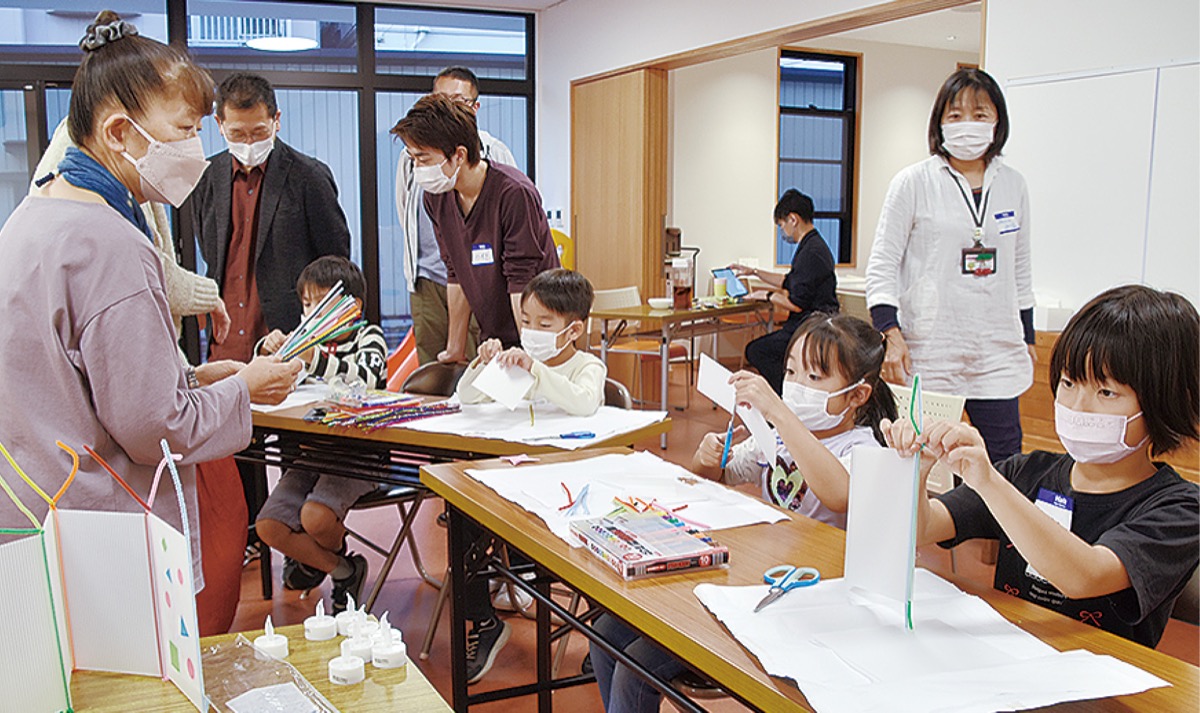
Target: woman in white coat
{"type": "Point", "coordinates": [948, 280]}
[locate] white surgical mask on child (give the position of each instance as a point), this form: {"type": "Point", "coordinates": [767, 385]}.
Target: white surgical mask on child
{"type": "Point", "coordinates": [541, 345]}
{"type": "Point", "coordinates": [811, 405]}
{"type": "Point", "coordinates": [251, 155]}
{"type": "Point", "coordinates": [170, 169]}
{"type": "Point", "coordinates": [431, 179]}
{"type": "Point", "coordinates": [967, 140]}
{"type": "Point", "coordinates": [1094, 437]}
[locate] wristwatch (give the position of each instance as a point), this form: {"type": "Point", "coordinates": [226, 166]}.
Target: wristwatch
{"type": "Point", "coordinates": [192, 381]}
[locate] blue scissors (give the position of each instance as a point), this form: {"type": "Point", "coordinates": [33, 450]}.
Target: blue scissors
{"type": "Point", "coordinates": [783, 579]}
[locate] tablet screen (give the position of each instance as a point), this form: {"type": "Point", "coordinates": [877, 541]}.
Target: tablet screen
{"type": "Point", "coordinates": [733, 285]}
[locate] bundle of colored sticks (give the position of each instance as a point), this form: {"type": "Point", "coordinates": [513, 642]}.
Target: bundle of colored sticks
{"type": "Point", "coordinates": [382, 409]}
{"type": "Point", "coordinates": [337, 314]}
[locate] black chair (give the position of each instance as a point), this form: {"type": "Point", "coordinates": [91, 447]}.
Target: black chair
{"type": "Point", "coordinates": [432, 379]}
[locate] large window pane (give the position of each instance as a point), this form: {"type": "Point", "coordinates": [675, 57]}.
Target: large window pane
{"type": "Point", "coordinates": [14, 163]}
{"type": "Point", "coordinates": [320, 123]}
{"type": "Point", "coordinates": [48, 31]}
{"type": "Point", "coordinates": [503, 117]}
{"type": "Point", "coordinates": [279, 36]}
{"type": "Point", "coordinates": [817, 98]}
{"type": "Point", "coordinates": [423, 42]}
{"type": "Point", "coordinates": [58, 103]}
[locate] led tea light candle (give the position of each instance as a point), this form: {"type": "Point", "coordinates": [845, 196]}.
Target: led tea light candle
{"type": "Point", "coordinates": [271, 643]}
{"type": "Point", "coordinates": [320, 626]}
{"type": "Point", "coordinates": [366, 627]}
{"type": "Point", "coordinates": [357, 645]}
{"type": "Point", "coordinates": [389, 650]}
{"type": "Point", "coordinates": [346, 670]}
{"type": "Point", "coordinates": [346, 618]}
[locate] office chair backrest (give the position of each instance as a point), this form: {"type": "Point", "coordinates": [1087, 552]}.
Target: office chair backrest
{"type": "Point", "coordinates": [434, 379]}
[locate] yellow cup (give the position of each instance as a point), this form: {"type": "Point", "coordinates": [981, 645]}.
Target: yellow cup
{"type": "Point", "coordinates": [720, 289]}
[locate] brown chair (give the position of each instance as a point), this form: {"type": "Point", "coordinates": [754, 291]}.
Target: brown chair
{"type": "Point", "coordinates": [615, 394]}
{"type": "Point", "coordinates": [1187, 606]}
{"type": "Point", "coordinates": [434, 379]}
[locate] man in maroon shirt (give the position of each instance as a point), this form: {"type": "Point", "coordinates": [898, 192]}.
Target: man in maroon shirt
{"type": "Point", "coordinates": [494, 238]}
{"type": "Point", "coordinates": [262, 211]}
{"type": "Point", "coordinates": [487, 218]}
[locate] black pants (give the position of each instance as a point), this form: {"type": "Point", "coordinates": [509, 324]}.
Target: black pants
{"type": "Point", "coordinates": [768, 354]}
{"type": "Point", "coordinates": [999, 422]}
{"type": "Point", "coordinates": [477, 598]}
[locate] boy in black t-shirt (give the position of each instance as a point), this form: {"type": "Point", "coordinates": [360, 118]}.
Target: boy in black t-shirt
{"type": "Point", "coordinates": [1100, 534]}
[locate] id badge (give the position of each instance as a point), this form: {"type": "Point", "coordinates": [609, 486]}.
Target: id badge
{"type": "Point", "coordinates": [1006, 222]}
{"type": "Point", "coordinates": [481, 254]}
{"type": "Point", "coordinates": [980, 262]}
{"type": "Point", "coordinates": [1060, 508]}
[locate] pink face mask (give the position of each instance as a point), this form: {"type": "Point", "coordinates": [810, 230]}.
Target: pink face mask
{"type": "Point", "coordinates": [170, 169]}
{"type": "Point", "coordinates": [1094, 437]}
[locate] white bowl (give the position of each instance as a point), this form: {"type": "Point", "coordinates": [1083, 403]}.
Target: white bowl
{"type": "Point", "coordinates": [660, 302]}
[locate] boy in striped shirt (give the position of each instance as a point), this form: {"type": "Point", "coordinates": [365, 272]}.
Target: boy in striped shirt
{"type": "Point", "coordinates": [303, 516]}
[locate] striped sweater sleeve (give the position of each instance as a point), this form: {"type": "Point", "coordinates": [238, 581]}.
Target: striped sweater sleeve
{"type": "Point", "coordinates": [364, 357]}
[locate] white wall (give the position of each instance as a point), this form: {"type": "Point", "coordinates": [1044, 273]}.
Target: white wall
{"type": "Point", "coordinates": [1092, 114]}
{"type": "Point", "coordinates": [580, 38]}
{"type": "Point", "coordinates": [724, 155]}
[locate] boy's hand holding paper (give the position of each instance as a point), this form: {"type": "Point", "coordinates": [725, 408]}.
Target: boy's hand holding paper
{"type": "Point", "coordinates": [505, 385]}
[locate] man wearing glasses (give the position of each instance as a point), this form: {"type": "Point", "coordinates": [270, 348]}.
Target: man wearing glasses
{"type": "Point", "coordinates": [424, 270]}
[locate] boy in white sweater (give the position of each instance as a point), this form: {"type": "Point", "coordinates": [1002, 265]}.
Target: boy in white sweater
{"type": "Point", "coordinates": [554, 307]}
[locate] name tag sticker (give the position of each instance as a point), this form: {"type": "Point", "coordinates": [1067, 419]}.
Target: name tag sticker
{"type": "Point", "coordinates": [481, 254]}
{"type": "Point", "coordinates": [1060, 508]}
{"type": "Point", "coordinates": [1007, 222]}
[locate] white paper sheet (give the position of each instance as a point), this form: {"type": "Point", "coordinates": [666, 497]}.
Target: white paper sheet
{"type": "Point", "coordinates": [494, 420]}
{"type": "Point", "coordinates": [850, 655]}
{"type": "Point", "coordinates": [32, 678]}
{"type": "Point", "coordinates": [106, 568]}
{"type": "Point", "coordinates": [542, 490]}
{"type": "Point", "coordinates": [304, 394]}
{"type": "Point", "coordinates": [713, 382]}
{"type": "Point", "coordinates": [506, 385]}
{"type": "Point", "coordinates": [879, 546]}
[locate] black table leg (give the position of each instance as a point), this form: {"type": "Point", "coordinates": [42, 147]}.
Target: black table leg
{"type": "Point", "coordinates": [544, 669]}
{"type": "Point", "coordinates": [458, 625]}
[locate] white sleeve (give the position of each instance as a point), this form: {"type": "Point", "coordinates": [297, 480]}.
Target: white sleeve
{"type": "Point", "coordinates": [891, 241]}
{"type": "Point", "coordinates": [499, 153]}
{"type": "Point", "coordinates": [403, 166]}
{"type": "Point", "coordinates": [1023, 256]}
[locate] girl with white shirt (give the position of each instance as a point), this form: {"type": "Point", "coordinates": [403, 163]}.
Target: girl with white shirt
{"type": "Point", "coordinates": [949, 280]}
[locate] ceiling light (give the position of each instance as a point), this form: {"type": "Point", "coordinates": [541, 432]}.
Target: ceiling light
{"type": "Point", "coordinates": [951, 37]}
{"type": "Point", "coordinates": [282, 44]}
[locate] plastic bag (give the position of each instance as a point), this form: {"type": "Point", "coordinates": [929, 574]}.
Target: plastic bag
{"type": "Point", "coordinates": [233, 668]}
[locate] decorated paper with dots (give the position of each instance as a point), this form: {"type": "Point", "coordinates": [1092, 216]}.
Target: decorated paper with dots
{"type": "Point", "coordinates": [176, 606]}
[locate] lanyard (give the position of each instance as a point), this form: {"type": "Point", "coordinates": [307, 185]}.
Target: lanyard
{"type": "Point", "coordinates": [977, 217]}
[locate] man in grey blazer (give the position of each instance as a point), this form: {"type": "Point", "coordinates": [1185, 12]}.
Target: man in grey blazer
{"type": "Point", "coordinates": [262, 211]}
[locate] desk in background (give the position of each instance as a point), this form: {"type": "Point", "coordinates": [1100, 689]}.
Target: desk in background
{"type": "Point", "coordinates": [383, 690]}
{"type": "Point", "coordinates": [666, 610]}
{"type": "Point", "coordinates": [679, 324]}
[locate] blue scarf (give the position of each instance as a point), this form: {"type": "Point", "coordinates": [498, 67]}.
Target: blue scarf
{"type": "Point", "coordinates": [85, 172]}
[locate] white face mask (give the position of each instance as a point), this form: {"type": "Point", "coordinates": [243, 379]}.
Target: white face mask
{"type": "Point", "coordinates": [170, 169]}
{"type": "Point", "coordinates": [967, 140]}
{"type": "Point", "coordinates": [811, 405]}
{"type": "Point", "coordinates": [431, 179]}
{"type": "Point", "coordinates": [1094, 437]}
{"type": "Point", "coordinates": [541, 345]}
{"type": "Point", "coordinates": [251, 155]}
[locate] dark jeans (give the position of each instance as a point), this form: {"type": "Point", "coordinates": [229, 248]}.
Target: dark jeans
{"type": "Point", "coordinates": [621, 690]}
{"type": "Point", "coordinates": [999, 422]}
{"type": "Point", "coordinates": [476, 599]}
{"type": "Point", "coordinates": [768, 354]}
